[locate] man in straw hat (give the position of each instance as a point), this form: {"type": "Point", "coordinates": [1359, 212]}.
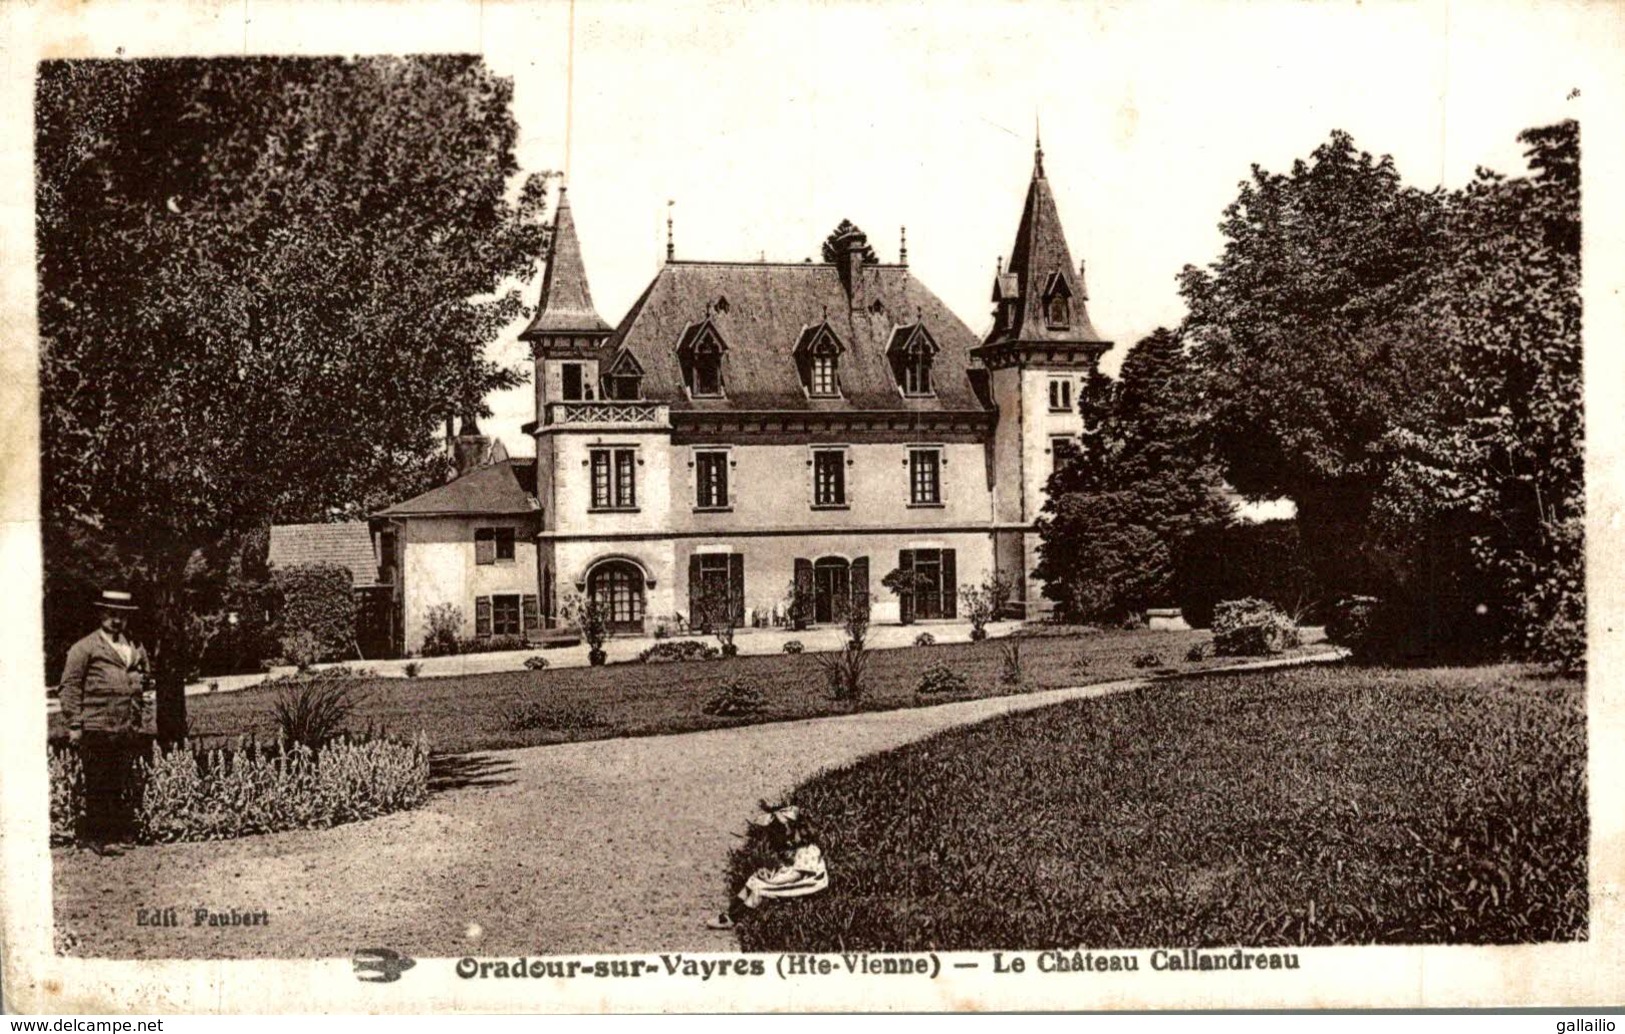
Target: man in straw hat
{"type": "Point", "coordinates": [102, 688]}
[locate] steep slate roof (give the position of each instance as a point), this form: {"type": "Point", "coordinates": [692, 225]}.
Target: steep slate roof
{"type": "Point", "coordinates": [347, 545]}
{"type": "Point", "coordinates": [507, 487]}
{"type": "Point", "coordinates": [769, 307]}
{"type": "Point", "coordinates": [1040, 254]}
{"type": "Point", "coordinates": [566, 303]}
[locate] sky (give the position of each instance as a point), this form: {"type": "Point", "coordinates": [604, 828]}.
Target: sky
{"type": "Point", "coordinates": [768, 125]}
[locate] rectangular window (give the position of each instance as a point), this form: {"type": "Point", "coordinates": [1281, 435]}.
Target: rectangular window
{"type": "Point", "coordinates": [829, 478]}
{"type": "Point", "coordinates": [493, 545]}
{"type": "Point", "coordinates": [925, 477]}
{"type": "Point", "coordinates": [614, 479]}
{"type": "Point", "coordinates": [711, 480]}
{"type": "Point", "coordinates": [823, 376]}
{"type": "Point", "coordinates": [917, 375]}
{"type": "Point", "coordinates": [506, 612]}
{"type": "Point", "coordinates": [1060, 395]}
{"type": "Point", "coordinates": [577, 385]}
{"type": "Point", "coordinates": [1062, 450]}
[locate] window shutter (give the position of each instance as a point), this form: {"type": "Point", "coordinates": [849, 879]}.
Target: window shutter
{"type": "Point", "coordinates": [482, 615]}
{"type": "Point", "coordinates": [736, 586]}
{"type": "Point", "coordinates": [950, 586]}
{"type": "Point", "coordinates": [532, 617]}
{"type": "Point", "coordinates": [905, 601]}
{"type": "Point", "coordinates": [485, 546]}
{"type": "Point", "coordinates": [860, 581]}
{"type": "Point", "coordinates": [696, 592]}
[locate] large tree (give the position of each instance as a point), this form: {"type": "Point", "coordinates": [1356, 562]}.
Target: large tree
{"type": "Point", "coordinates": [1118, 516]}
{"type": "Point", "coordinates": [1405, 366]}
{"type": "Point", "coordinates": [1500, 459]}
{"type": "Point", "coordinates": [264, 284]}
{"type": "Point", "coordinates": [1302, 378]}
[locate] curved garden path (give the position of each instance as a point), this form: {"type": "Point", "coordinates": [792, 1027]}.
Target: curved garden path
{"type": "Point", "coordinates": [603, 846]}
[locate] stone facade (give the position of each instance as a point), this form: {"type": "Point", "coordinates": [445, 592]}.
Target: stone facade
{"type": "Point", "coordinates": [751, 427]}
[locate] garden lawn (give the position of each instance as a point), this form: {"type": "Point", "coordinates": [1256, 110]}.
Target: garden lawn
{"type": "Point", "coordinates": [528, 708]}
{"type": "Point", "coordinates": [1329, 804]}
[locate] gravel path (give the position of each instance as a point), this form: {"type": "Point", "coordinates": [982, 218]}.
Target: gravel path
{"type": "Point", "coordinates": [605, 846]}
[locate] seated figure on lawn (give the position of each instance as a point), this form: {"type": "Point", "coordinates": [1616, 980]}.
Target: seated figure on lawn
{"type": "Point", "coordinates": [800, 870]}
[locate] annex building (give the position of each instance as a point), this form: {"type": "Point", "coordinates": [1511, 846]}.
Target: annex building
{"type": "Point", "coordinates": [749, 426]}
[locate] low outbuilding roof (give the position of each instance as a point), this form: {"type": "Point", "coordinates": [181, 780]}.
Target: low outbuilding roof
{"type": "Point", "coordinates": [347, 544]}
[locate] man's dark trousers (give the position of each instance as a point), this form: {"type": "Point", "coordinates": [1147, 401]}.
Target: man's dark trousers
{"type": "Point", "coordinates": [112, 784]}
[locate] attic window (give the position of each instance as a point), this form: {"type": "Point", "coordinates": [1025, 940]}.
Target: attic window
{"type": "Point", "coordinates": [721, 304]}
{"type": "Point", "coordinates": [818, 355]}
{"type": "Point", "coordinates": [912, 352]}
{"type": "Point", "coordinates": [624, 379]}
{"type": "Point", "coordinates": [707, 382]}
{"type": "Point", "coordinates": [700, 352]}
{"type": "Point", "coordinates": [877, 307]}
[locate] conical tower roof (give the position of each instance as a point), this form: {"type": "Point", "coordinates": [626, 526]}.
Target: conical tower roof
{"type": "Point", "coordinates": [1040, 267]}
{"type": "Point", "coordinates": [566, 302]}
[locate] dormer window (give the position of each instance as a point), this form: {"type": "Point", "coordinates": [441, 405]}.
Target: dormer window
{"type": "Point", "coordinates": [823, 376]}
{"type": "Point", "coordinates": [623, 381]}
{"type": "Point", "coordinates": [912, 352]}
{"type": "Point", "coordinates": [700, 352]}
{"type": "Point", "coordinates": [708, 370]}
{"type": "Point", "coordinates": [818, 354]}
{"type": "Point", "coordinates": [1057, 302]}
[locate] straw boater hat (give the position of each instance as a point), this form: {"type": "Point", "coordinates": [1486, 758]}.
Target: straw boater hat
{"type": "Point", "coordinates": [115, 599]}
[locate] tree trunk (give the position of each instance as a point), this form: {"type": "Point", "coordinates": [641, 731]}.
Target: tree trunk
{"type": "Point", "coordinates": [173, 654]}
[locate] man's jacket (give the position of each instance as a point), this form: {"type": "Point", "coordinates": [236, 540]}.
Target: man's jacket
{"type": "Point", "coordinates": [100, 693]}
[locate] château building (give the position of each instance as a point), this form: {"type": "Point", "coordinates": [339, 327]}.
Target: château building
{"type": "Point", "coordinates": [749, 426]}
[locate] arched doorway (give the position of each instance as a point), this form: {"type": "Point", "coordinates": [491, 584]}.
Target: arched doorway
{"type": "Point", "coordinates": [619, 586]}
{"type": "Point", "coordinates": [832, 589]}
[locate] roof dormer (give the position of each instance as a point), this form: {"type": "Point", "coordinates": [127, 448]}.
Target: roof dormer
{"type": "Point", "coordinates": [623, 377]}
{"type": "Point", "coordinates": [818, 356]}
{"type": "Point", "coordinates": [911, 352]}
{"type": "Point", "coordinates": [700, 352]}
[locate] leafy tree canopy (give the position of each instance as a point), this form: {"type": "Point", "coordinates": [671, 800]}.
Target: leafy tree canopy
{"type": "Point", "coordinates": [263, 285]}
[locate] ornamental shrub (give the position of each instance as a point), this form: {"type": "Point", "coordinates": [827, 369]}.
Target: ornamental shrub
{"type": "Point", "coordinates": [196, 794]}
{"type": "Point", "coordinates": [1011, 672]}
{"type": "Point", "coordinates": [1252, 628]}
{"type": "Point", "coordinates": [844, 672]}
{"type": "Point", "coordinates": [1197, 652]}
{"type": "Point", "coordinates": [793, 646]}
{"type": "Point", "coordinates": [925, 639]}
{"type": "Point", "coordinates": [1147, 660]}
{"type": "Point", "coordinates": [939, 678]}
{"type": "Point", "coordinates": [316, 612]}
{"type": "Point", "coordinates": [445, 630]}
{"type": "Point", "coordinates": [1353, 623]}
{"type": "Point", "coordinates": [311, 709]}
{"type": "Point", "coordinates": [736, 699]}
{"type": "Point", "coordinates": [536, 663]}
{"type": "Point", "coordinates": [679, 650]}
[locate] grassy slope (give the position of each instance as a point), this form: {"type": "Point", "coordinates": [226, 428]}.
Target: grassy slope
{"type": "Point", "coordinates": [1311, 806]}
{"type": "Point", "coordinates": [473, 712]}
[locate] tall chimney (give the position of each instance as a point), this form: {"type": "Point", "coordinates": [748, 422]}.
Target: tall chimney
{"type": "Point", "coordinates": [470, 448]}
{"type": "Point", "coordinates": [849, 261]}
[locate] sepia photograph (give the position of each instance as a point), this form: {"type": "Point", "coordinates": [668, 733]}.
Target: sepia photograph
{"type": "Point", "coordinates": [605, 506]}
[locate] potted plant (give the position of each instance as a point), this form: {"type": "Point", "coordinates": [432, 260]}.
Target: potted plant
{"type": "Point", "coordinates": [798, 605]}
{"type": "Point", "coordinates": [591, 617]}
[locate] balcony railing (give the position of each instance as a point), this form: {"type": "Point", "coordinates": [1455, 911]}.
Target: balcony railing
{"type": "Point", "coordinates": [609, 413]}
